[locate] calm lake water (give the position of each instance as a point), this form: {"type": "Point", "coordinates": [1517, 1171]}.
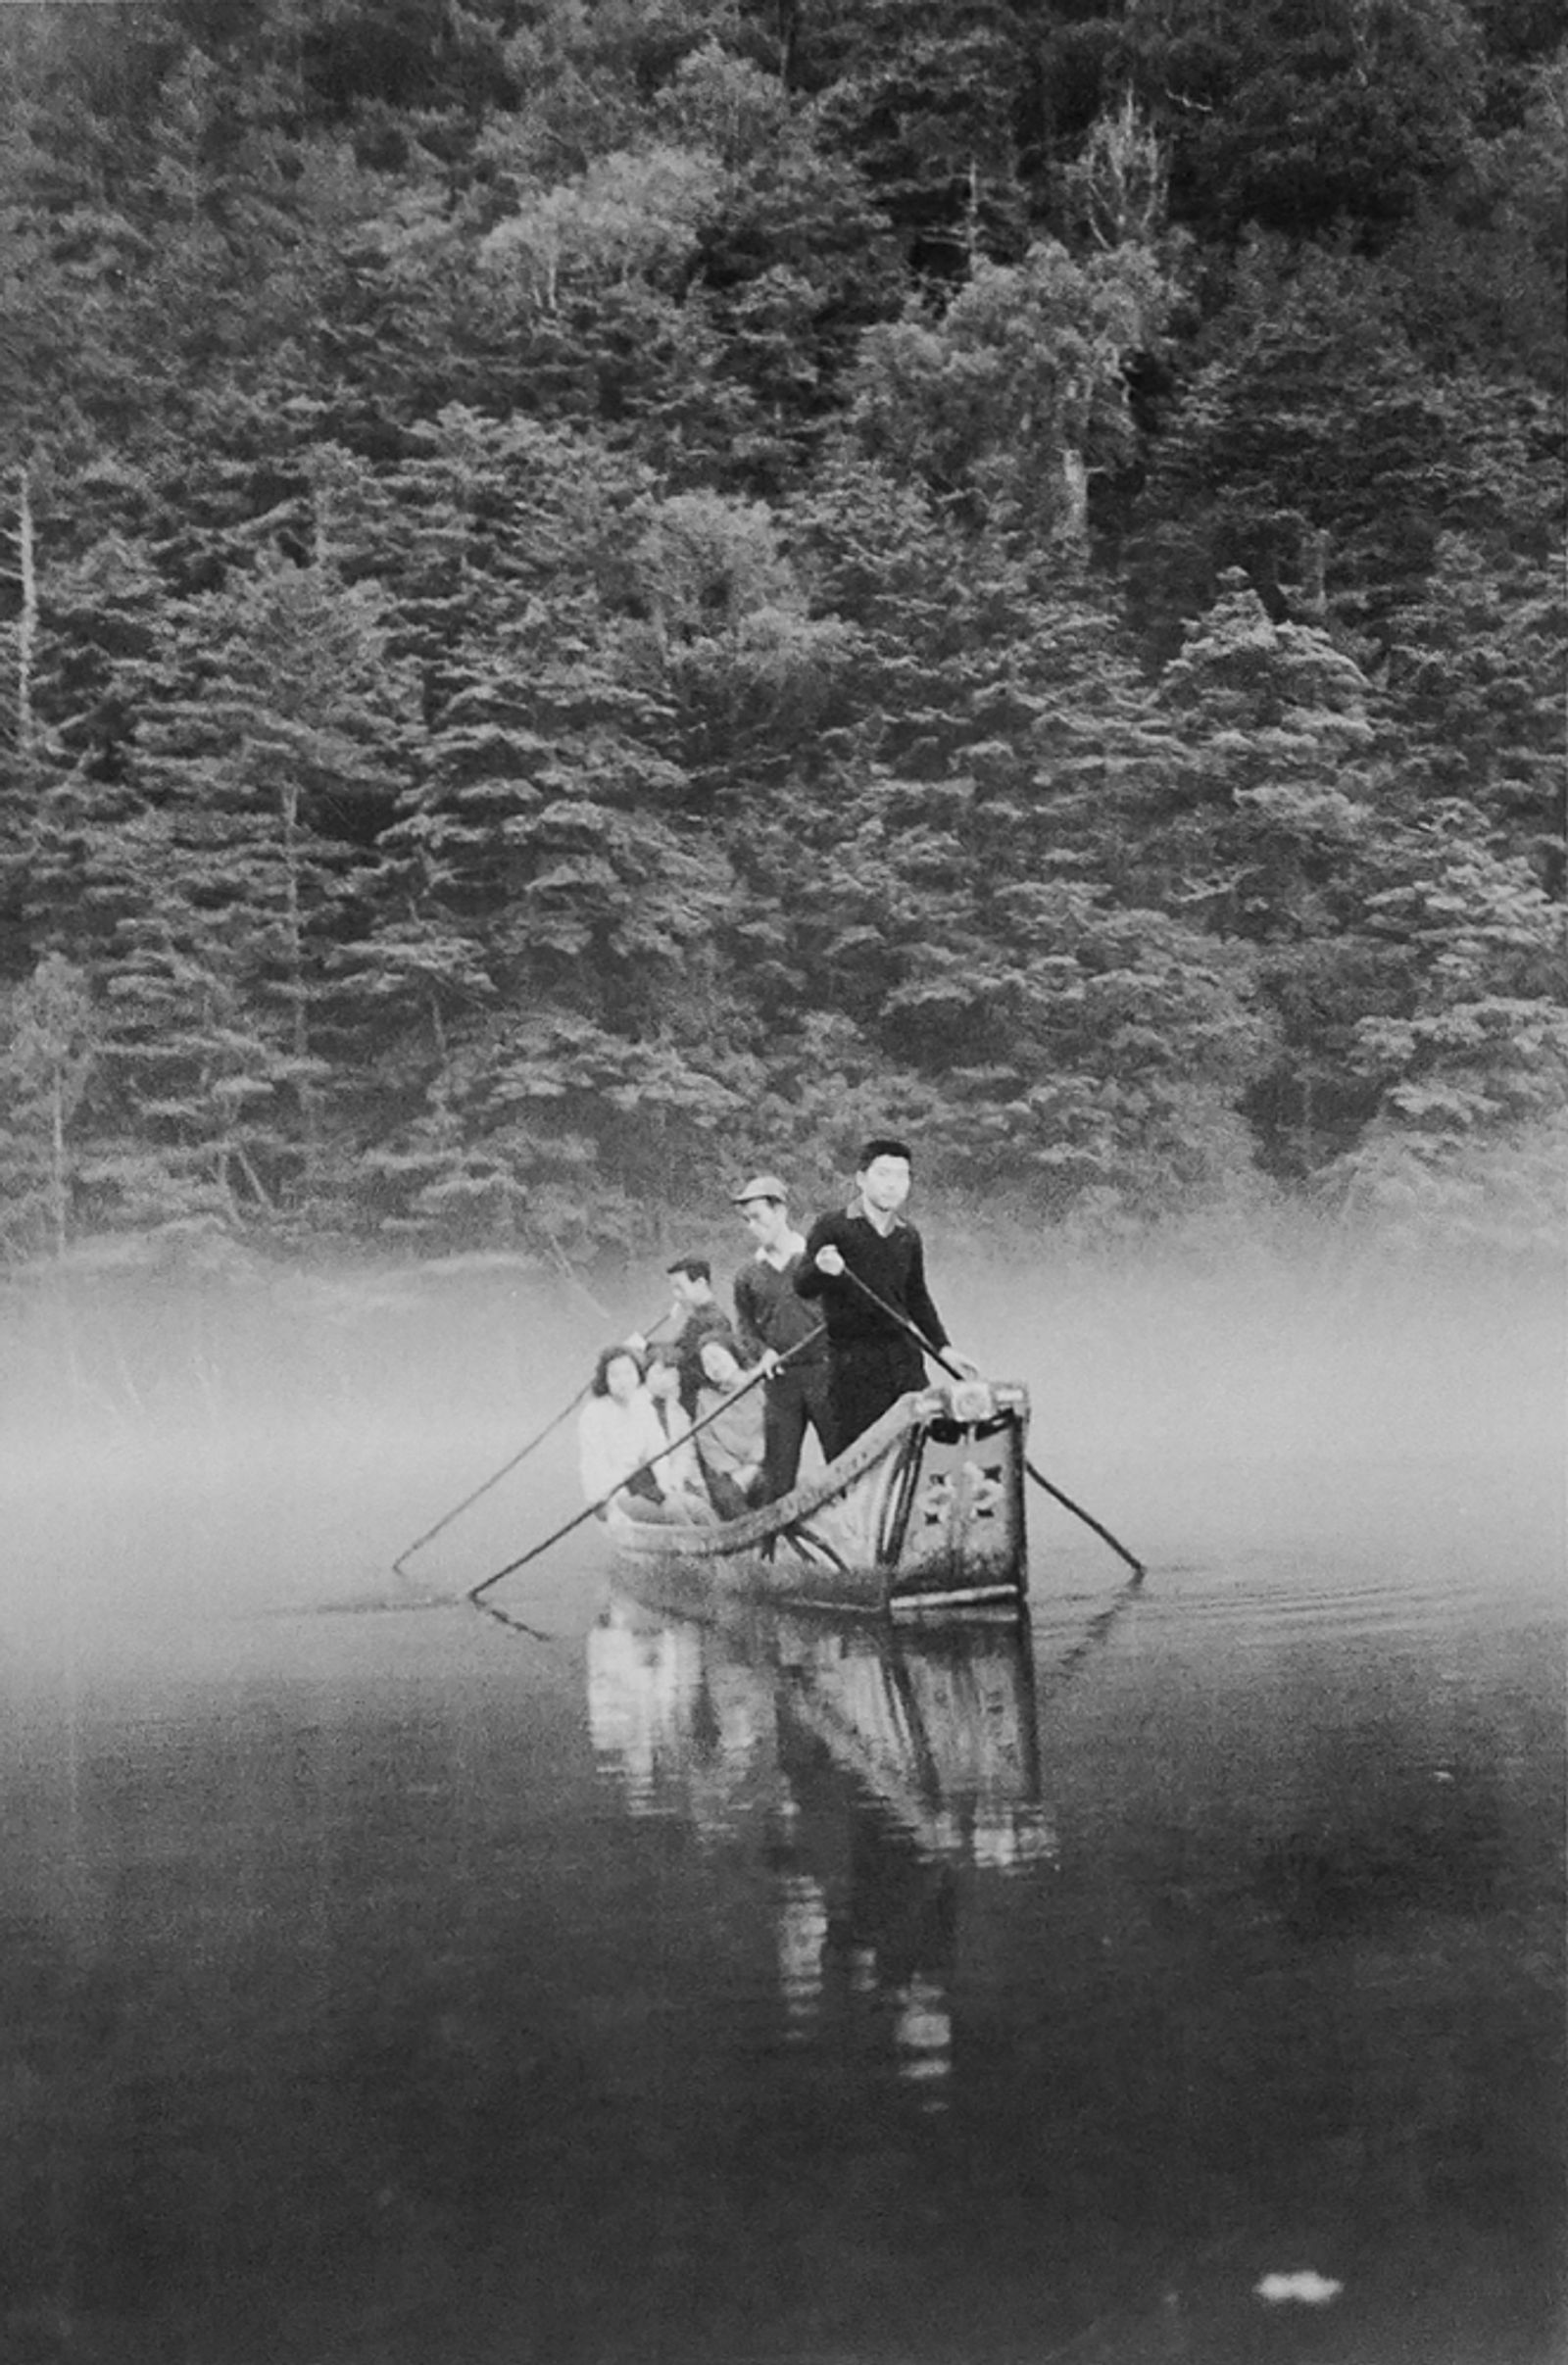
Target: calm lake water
{"type": "Point", "coordinates": [399, 1985]}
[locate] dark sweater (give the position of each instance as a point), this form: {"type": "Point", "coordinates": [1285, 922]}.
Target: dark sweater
{"type": "Point", "coordinates": [770, 1312]}
{"type": "Point", "coordinates": [892, 1264]}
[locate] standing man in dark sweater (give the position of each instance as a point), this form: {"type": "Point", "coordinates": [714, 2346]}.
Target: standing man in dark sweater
{"type": "Point", "coordinates": [872, 1361]}
{"type": "Point", "coordinates": [772, 1317]}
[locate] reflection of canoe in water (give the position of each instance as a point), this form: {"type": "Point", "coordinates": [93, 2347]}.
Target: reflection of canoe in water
{"type": "Point", "coordinates": [873, 1789]}
{"type": "Point", "coordinates": [938, 1728]}
{"type": "Point", "coordinates": [925, 1512]}
{"type": "Point", "coordinates": [934, 1725]}
{"type": "Point", "coordinates": [878, 1771]}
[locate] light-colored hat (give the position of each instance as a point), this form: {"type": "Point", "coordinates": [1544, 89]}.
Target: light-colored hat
{"type": "Point", "coordinates": [760, 1186]}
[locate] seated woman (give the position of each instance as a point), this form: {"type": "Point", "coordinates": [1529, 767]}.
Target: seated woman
{"type": "Point", "coordinates": [730, 1446]}
{"type": "Point", "coordinates": [619, 1432]}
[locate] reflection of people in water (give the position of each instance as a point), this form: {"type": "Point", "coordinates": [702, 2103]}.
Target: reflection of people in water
{"type": "Point", "coordinates": [801, 1933]}
{"type": "Point", "coordinates": [922, 2031]}
{"type": "Point", "coordinates": [642, 1676]}
{"type": "Point", "coordinates": [889, 1910]}
{"type": "Point", "coordinates": [679, 1728]}
{"type": "Point", "coordinates": [871, 1771]}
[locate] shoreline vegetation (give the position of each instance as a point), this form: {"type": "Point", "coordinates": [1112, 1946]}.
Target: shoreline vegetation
{"type": "Point", "coordinates": [596, 600]}
{"type": "Point", "coordinates": [1510, 1215]}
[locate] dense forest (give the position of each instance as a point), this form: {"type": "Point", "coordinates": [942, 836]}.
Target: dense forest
{"type": "Point", "coordinates": [599, 593]}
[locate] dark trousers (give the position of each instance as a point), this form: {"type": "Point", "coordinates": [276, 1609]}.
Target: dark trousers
{"type": "Point", "coordinates": [866, 1381]}
{"type": "Point", "coordinates": [728, 1497]}
{"type": "Point", "coordinates": [794, 1400]}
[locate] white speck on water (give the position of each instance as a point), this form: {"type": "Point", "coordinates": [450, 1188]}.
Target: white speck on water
{"type": "Point", "coordinates": [1310, 2289]}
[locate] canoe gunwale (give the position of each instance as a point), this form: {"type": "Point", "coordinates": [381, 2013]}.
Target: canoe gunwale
{"type": "Point", "coordinates": [731, 1539]}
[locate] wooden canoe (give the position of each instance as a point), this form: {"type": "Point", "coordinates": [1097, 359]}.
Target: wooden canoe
{"type": "Point", "coordinates": [924, 1515]}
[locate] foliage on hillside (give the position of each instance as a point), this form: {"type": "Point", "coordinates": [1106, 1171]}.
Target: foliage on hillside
{"type": "Point", "coordinates": [594, 598]}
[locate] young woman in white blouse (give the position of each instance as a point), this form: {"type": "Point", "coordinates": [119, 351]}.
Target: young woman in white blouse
{"type": "Point", "coordinates": [618, 1431]}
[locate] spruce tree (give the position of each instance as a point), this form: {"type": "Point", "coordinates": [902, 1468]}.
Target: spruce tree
{"type": "Point", "coordinates": [271, 752]}
{"type": "Point", "coordinates": [1468, 1059]}
{"type": "Point", "coordinates": [1475, 677]}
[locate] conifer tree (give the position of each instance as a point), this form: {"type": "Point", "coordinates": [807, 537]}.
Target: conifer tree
{"type": "Point", "coordinates": [271, 752]}
{"type": "Point", "coordinates": [1264, 821]}
{"type": "Point", "coordinates": [1468, 1058]}
{"type": "Point", "coordinates": [562, 584]}
{"type": "Point", "coordinates": [195, 1131]}
{"type": "Point", "coordinates": [927, 101]}
{"type": "Point", "coordinates": [795, 260]}
{"type": "Point", "coordinates": [1475, 677]}
{"type": "Point", "coordinates": [1317, 451]}
{"type": "Point", "coordinates": [544, 851]}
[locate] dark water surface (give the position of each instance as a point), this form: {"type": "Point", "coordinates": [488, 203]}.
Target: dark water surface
{"type": "Point", "coordinates": [397, 1987]}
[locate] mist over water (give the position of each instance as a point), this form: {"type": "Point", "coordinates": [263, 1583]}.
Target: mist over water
{"type": "Point", "coordinates": [285, 1436]}
{"type": "Point", "coordinates": [385, 1986]}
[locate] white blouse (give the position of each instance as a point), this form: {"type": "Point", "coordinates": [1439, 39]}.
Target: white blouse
{"type": "Point", "coordinates": [613, 1440]}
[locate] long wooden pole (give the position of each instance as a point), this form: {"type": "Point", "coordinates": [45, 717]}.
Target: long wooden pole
{"type": "Point", "coordinates": [506, 1467]}
{"type": "Point", "coordinates": [1039, 1476]}
{"type": "Point", "coordinates": [398, 1565]}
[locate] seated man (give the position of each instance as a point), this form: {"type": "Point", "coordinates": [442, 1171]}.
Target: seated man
{"type": "Point", "coordinates": [731, 1447]}
{"type": "Point", "coordinates": [697, 1314]}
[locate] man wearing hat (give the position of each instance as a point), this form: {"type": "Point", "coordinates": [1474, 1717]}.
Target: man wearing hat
{"type": "Point", "coordinates": [871, 1251]}
{"type": "Point", "coordinates": [772, 1317]}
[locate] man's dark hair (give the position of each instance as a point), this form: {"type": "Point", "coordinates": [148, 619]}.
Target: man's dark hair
{"type": "Point", "coordinates": [883, 1144]}
{"type": "Point", "coordinates": [695, 1268]}
{"type": "Point", "coordinates": [612, 1354]}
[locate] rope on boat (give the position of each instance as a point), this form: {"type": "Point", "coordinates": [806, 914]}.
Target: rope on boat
{"type": "Point", "coordinates": [593, 1510]}
{"type": "Point", "coordinates": [506, 1469]}
{"type": "Point", "coordinates": [902, 1324]}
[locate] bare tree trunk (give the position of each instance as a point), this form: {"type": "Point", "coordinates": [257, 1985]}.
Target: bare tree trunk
{"type": "Point", "coordinates": [28, 622]}
{"type": "Point", "coordinates": [1308, 1134]}
{"type": "Point", "coordinates": [57, 1159]}
{"type": "Point", "coordinates": [442, 1089]}
{"type": "Point", "coordinates": [1076, 487]}
{"type": "Point", "coordinates": [300, 1034]}
{"type": "Point", "coordinates": [788, 23]}
{"type": "Point", "coordinates": [291, 907]}
{"type": "Point", "coordinates": [242, 1159]}
{"type": "Point", "coordinates": [971, 221]}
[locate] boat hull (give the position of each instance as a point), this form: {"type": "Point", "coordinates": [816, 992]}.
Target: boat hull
{"type": "Point", "coordinates": [922, 1516]}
